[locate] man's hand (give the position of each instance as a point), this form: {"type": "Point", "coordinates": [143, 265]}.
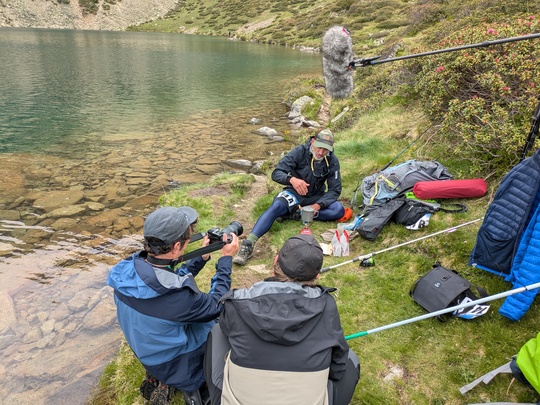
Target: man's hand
{"type": "Point", "coordinates": [230, 249]}
{"type": "Point", "coordinates": [300, 186]}
{"type": "Point", "coordinates": [316, 208]}
{"type": "Point", "coordinates": [205, 242]}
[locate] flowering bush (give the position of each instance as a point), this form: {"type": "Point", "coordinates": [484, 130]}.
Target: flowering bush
{"type": "Point", "coordinates": [484, 96]}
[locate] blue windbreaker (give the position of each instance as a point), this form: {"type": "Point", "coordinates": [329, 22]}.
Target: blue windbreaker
{"type": "Point", "coordinates": [165, 318]}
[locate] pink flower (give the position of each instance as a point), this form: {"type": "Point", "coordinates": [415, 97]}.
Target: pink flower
{"type": "Point", "coordinates": [532, 85]}
{"type": "Point", "coordinates": [506, 88]}
{"type": "Point", "coordinates": [531, 17]}
{"type": "Point", "coordinates": [491, 31]}
{"type": "Point", "coordinates": [440, 69]}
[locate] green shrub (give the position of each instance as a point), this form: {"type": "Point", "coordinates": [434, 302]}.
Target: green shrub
{"type": "Point", "coordinates": [483, 96]}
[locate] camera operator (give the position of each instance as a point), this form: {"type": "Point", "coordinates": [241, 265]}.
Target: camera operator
{"type": "Point", "coordinates": [162, 313]}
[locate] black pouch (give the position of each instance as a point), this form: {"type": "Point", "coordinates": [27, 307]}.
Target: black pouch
{"type": "Point", "coordinates": [442, 288]}
{"type": "Point", "coordinates": [411, 211]}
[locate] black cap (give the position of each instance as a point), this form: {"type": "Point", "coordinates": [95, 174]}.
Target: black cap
{"type": "Point", "coordinates": [301, 257]}
{"type": "Point", "coordinates": [169, 223]}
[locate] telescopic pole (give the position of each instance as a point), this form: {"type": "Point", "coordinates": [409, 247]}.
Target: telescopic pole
{"type": "Point", "coordinates": [446, 310]}
{"type": "Point", "coordinates": [374, 60]}
{"type": "Point", "coordinates": [368, 255]}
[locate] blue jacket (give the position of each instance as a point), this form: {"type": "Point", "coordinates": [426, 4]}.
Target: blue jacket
{"type": "Point", "coordinates": [506, 218]}
{"type": "Point", "coordinates": [165, 318]}
{"type": "Point", "coordinates": [524, 269]}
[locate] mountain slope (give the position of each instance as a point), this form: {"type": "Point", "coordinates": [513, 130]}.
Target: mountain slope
{"type": "Point", "coordinates": [113, 15]}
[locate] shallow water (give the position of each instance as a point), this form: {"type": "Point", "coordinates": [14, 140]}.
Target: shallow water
{"type": "Point", "coordinates": [73, 204]}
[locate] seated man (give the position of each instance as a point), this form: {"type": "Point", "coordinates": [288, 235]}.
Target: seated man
{"type": "Point", "coordinates": [286, 341]}
{"type": "Point", "coordinates": [310, 174]}
{"type": "Point", "coordinates": [164, 316]}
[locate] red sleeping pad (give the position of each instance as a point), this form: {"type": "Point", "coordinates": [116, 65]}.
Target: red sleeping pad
{"type": "Point", "coordinates": [471, 188]}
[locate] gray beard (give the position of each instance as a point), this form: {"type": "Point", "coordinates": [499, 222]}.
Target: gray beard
{"type": "Point", "coordinates": [313, 154]}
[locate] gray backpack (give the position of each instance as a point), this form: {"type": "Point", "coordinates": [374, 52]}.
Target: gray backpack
{"type": "Point", "coordinates": [381, 187]}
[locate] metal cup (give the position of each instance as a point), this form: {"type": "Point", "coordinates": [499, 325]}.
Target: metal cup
{"type": "Point", "coordinates": [307, 214]}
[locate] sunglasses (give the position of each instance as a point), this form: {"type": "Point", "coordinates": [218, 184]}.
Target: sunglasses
{"type": "Point", "coordinates": [322, 171]}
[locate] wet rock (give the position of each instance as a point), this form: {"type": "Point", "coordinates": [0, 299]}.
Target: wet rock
{"type": "Point", "coordinates": [69, 211]}
{"type": "Point", "coordinates": [11, 215]}
{"type": "Point", "coordinates": [103, 315]}
{"type": "Point", "coordinates": [276, 138]}
{"type": "Point", "coordinates": [105, 218]}
{"type": "Point", "coordinates": [48, 201]}
{"type": "Point", "coordinates": [47, 327]}
{"type": "Point", "coordinates": [63, 223]}
{"type": "Point", "coordinates": [255, 121]}
{"type": "Point", "coordinates": [267, 131]}
{"type": "Point", "coordinates": [95, 206]}
{"type": "Point", "coordinates": [239, 164]}
{"type": "Point", "coordinates": [7, 312]}
{"type": "Point", "coordinates": [33, 335]}
{"type": "Point", "coordinates": [79, 301]}
{"type": "Point", "coordinates": [298, 105]}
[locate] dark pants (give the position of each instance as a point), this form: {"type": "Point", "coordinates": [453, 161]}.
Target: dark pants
{"type": "Point", "coordinates": [217, 346]}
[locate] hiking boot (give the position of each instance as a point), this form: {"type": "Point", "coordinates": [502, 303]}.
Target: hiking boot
{"type": "Point", "coordinates": [245, 253]}
{"type": "Point", "coordinates": [148, 386]}
{"type": "Point", "coordinates": [161, 395]}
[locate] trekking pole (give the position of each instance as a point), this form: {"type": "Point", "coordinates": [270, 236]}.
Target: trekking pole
{"type": "Point", "coordinates": [373, 60]}
{"type": "Point", "coordinates": [533, 133]}
{"type": "Point", "coordinates": [446, 310]}
{"type": "Point", "coordinates": [369, 255]}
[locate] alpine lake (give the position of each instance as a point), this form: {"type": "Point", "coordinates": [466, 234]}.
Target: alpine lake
{"type": "Point", "coordinates": [94, 127]}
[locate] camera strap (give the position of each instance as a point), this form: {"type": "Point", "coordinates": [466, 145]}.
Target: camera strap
{"type": "Point", "coordinates": [201, 251]}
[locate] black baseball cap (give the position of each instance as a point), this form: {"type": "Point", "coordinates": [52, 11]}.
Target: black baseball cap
{"type": "Point", "coordinates": [301, 257]}
{"type": "Point", "coordinates": [169, 223]}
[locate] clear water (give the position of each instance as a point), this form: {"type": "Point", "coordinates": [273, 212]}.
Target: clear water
{"type": "Point", "coordinates": [58, 85]}
{"type": "Point", "coordinates": [98, 125]}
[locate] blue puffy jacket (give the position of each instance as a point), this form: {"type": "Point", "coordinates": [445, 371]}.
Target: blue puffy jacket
{"type": "Point", "coordinates": [165, 318]}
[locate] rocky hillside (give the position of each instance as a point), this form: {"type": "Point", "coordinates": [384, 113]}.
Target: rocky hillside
{"type": "Point", "coordinates": [82, 14]}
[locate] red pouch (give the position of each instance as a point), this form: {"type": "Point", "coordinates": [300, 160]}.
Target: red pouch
{"type": "Point", "coordinates": [471, 188]}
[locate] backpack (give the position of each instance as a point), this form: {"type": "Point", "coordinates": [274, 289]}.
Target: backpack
{"type": "Point", "coordinates": [442, 288]}
{"type": "Point", "coordinates": [414, 209]}
{"type": "Point", "coordinates": [527, 363]}
{"type": "Point", "coordinates": [394, 181]}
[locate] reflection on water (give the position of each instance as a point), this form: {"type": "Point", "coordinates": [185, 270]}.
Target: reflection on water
{"type": "Point", "coordinates": [94, 127]}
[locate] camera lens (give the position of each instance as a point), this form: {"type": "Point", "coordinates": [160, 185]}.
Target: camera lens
{"type": "Point", "coordinates": [234, 227]}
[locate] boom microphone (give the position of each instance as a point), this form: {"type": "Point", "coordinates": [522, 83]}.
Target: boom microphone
{"type": "Point", "coordinates": [337, 55]}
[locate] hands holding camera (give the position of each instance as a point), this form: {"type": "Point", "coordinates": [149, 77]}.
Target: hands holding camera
{"type": "Point", "coordinates": [230, 246]}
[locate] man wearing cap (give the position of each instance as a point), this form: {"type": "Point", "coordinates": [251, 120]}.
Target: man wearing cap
{"type": "Point", "coordinates": [164, 316]}
{"type": "Point", "coordinates": [285, 336]}
{"type": "Point", "coordinates": [311, 176]}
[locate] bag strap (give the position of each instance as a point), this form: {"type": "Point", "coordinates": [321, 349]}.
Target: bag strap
{"type": "Point", "coordinates": [452, 207]}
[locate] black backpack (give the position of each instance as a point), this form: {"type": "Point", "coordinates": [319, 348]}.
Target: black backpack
{"type": "Point", "coordinates": [442, 288]}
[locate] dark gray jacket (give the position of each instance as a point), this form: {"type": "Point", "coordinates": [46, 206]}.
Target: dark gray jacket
{"type": "Point", "coordinates": [284, 326]}
{"type": "Point", "coordinates": [323, 177]}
